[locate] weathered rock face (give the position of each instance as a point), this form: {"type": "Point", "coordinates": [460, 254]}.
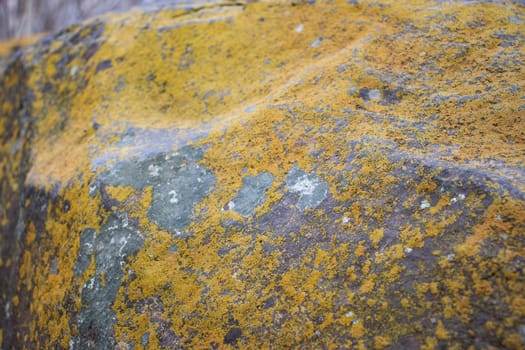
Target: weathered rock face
{"type": "Point", "coordinates": [267, 175]}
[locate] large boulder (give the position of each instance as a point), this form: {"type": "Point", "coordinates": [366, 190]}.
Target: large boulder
{"type": "Point", "coordinates": [267, 175]}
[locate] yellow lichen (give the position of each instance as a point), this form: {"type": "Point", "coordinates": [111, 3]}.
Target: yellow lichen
{"type": "Point", "coordinates": [441, 332]}
{"type": "Point", "coordinates": [376, 236]}
{"type": "Point", "coordinates": [381, 342]}
{"type": "Point", "coordinates": [258, 95]}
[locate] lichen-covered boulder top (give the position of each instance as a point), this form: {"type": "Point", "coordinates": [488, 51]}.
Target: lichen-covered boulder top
{"type": "Point", "coordinates": [317, 175]}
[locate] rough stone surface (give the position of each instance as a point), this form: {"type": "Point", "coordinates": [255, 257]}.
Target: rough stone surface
{"type": "Point", "coordinates": [115, 242]}
{"type": "Point", "coordinates": [305, 174]}
{"type": "Point", "coordinates": [252, 194]}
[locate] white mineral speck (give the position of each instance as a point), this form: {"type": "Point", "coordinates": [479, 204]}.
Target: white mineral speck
{"type": "Point", "coordinates": [424, 204]}
{"type": "Point", "coordinates": [153, 170]}
{"type": "Point", "coordinates": [374, 94]}
{"type": "Point", "coordinates": [8, 309]}
{"type": "Point", "coordinates": [299, 28]}
{"type": "Point", "coordinates": [349, 314]}
{"type": "Point", "coordinates": [461, 196]}
{"type": "Point", "coordinates": [304, 186]}
{"type": "Point", "coordinates": [122, 242]}
{"type": "Point", "coordinates": [173, 197]}
{"type": "Point", "coordinates": [346, 220]}
{"type": "Point", "coordinates": [91, 283]}
{"type": "Point", "coordinates": [317, 42]}
{"type": "Point", "coordinates": [408, 250]}
{"type": "Point", "coordinates": [451, 256]}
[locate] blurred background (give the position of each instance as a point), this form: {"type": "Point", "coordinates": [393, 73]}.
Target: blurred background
{"type": "Point", "coordinates": [20, 18]}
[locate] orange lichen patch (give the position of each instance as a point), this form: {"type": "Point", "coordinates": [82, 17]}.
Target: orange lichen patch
{"type": "Point", "coordinates": [493, 223]}
{"type": "Point", "coordinates": [482, 286]}
{"type": "Point", "coordinates": [30, 233]}
{"type": "Point", "coordinates": [441, 332]}
{"type": "Point", "coordinates": [368, 284]}
{"type": "Point", "coordinates": [443, 202]}
{"type": "Point", "coordinates": [360, 250]}
{"type": "Point", "coordinates": [518, 305]}
{"type": "Point", "coordinates": [430, 343]}
{"type": "Point", "coordinates": [120, 193]}
{"type": "Point", "coordinates": [26, 271]}
{"type": "Point", "coordinates": [412, 237]}
{"type": "Point", "coordinates": [357, 330]}
{"type": "Point", "coordinates": [514, 341]}
{"type": "Point", "coordinates": [381, 342]}
{"type": "Point", "coordinates": [376, 236]}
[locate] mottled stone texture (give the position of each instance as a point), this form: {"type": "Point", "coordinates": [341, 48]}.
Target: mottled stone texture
{"type": "Point", "coordinates": [314, 175]}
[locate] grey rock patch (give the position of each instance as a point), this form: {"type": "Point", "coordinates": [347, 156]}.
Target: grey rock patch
{"type": "Point", "coordinates": [87, 249]}
{"type": "Point", "coordinates": [233, 336]}
{"type": "Point", "coordinates": [250, 109]}
{"type": "Point", "coordinates": [374, 94]}
{"type": "Point", "coordinates": [125, 173]}
{"type": "Point", "coordinates": [144, 340]}
{"type": "Point", "coordinates": [391, 96]}
{"type": "Point", "coordinates": [178, 184]}
{"type": "Point", "coordinates": [53, 270]}
{"type": "Point", "coordinates": [317, 42]}
{"type": "Point", "coordinates": [370, 94]}
{"type": "Point", "coordinates": [312, 190]}
{"type": "Point", "coordinates": [522, 333]}
{"type": "Point", "coordinates": [141, 173]}
{"type": "Point", "coordinates": [187, 58]}
{"type": "Point", "coordinates": [342, 68]}
{"type": "Point", "coordinates": [115, 243]}
{"type": "Point", "coordinates": [516, 20]}
{"type": "Point", "coordinates": [252, 194]}
{"type": "Point", "coordinates": [175, 195]}
{"type": "Point", "coordinates": [103, 65]}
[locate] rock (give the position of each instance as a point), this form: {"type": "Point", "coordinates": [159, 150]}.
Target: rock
{"type": "Point", "coordinates": [201, 178]}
